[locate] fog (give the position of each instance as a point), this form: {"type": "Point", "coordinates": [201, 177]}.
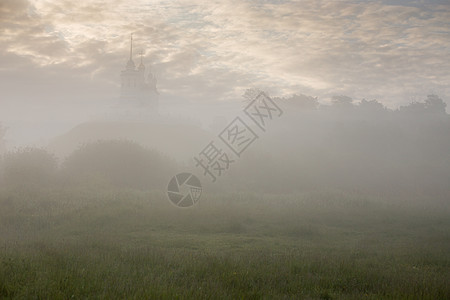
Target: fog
{"type": "Point", "coordinates": [345, 145]}
{"type": "Point", "coordinates": [252, 149]}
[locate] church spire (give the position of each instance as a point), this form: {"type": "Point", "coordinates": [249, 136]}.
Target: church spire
{"type": "Point", "coordinates": [130, 63]}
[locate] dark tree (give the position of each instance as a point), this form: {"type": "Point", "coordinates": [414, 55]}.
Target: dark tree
{"type": "Point", "coordinates": [435, 104]}
{"type": "Point", "coordinates": [29, 167]}
{"type": "Point", "coordinates": [250, 95]}
{"type": "Point", "coordinates": [341, 101]}
{"type": "Point", "coordinates": [371, 106]}
{"type": "Point", "coordinates": [302, 102]}
{"type": "Point", "coordinates": [413, 108]}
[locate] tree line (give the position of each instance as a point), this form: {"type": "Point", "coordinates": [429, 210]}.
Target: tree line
{"type": "Point", "coordinates": [345, 145]}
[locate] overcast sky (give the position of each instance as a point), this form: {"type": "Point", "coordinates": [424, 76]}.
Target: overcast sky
{"type": "Point", "coordinates": [59, 54]}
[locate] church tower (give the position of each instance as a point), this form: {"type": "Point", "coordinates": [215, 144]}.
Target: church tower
{"type": "Point", "coordinates": [138, 89]}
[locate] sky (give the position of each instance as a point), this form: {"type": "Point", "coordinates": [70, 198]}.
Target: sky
{"type": "Point", "coordinates": [61, 60]}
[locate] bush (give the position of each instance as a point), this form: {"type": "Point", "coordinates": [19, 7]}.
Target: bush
{"type": "Point", "coordinates": [29, 167]}
{"type": "Point", "coordinates": [118, 163]}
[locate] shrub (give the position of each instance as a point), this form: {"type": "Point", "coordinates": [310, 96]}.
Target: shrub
{"type": "Point", "coordinates": [29, 167]}
{"type": "Point", "coordinates": [119, 163]}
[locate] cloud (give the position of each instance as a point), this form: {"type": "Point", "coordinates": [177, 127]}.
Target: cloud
{"type": "Point", "coordinates": [207, 51]}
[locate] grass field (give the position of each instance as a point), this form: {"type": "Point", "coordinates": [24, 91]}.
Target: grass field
{"type": "Point", "coordinates": [134, 245]}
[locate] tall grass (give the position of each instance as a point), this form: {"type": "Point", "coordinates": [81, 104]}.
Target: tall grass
{"type": "Point", "coordinates": [59, 244]}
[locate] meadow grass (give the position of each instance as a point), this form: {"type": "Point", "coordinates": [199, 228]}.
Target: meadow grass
{"type": "Point", "coordinates": [72, 244]}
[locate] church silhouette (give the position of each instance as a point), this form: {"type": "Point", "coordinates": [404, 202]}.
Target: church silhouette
{"type": "Point", "coordinates": [138, 87]}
